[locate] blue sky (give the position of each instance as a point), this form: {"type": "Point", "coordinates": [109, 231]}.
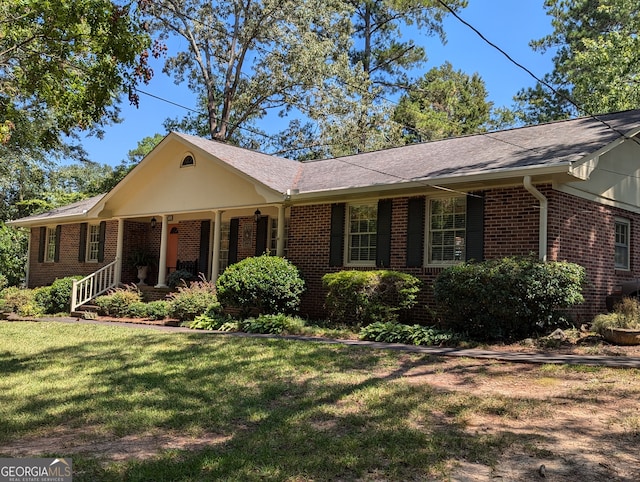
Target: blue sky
{"type": "Point", "coordinates": [510, 24]}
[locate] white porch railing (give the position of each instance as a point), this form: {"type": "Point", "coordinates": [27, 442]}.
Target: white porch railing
{"type": "Point", "coordinates": [93, 285]}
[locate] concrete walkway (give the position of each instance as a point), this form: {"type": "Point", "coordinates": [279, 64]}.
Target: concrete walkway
{"type": "Point", "coordinates": [514, 357]}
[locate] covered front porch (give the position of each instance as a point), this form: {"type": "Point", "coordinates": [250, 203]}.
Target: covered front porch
{"type": "Point", "coordinates": [205, 243]}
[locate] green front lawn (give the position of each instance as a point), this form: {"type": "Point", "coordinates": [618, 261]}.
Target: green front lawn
{"type": "Point", "coordinates": [270, 409]}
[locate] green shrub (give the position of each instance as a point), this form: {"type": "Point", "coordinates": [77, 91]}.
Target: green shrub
{"type": "Point", "coordinates": [514, 297]}
{"type": "Point", "coordinates": [4, 282]}
{"type": "Point", "coordinates": [137, 309]}
{"type": "Point", "coordinates": [262, 285]}
{"type": "Point", "coordinates": [193, 300]}
{"type": "Point", "coordinates": [180, 277]}
{"type": "Point", "coordinates": [358, 298]}
{"type": "Point", "coordinates": [59, 295]}
{"type": "Point", "coordinates": [22, 301]}
{"type": "Point", "coordinates": [625, 315]}
{"type": "Point", "coordinates": [210, 321]}
{"type": "Point", "coordinates": [119, 301]}
{"type": "Point", "coordinates": [391, 332]}
{"type": "Point", "coordinates": [273, 324]}
{"type": "Point", "coordinates": [157, 310]}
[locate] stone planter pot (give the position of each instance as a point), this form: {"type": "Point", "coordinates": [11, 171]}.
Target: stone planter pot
{"type": "Point", "coordinates": [622, 336]}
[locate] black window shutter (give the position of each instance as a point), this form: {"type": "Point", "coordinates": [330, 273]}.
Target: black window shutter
{"type": "Point", "coordinates": [82, 246]}
{"type": "Point", "coordinates": [262, 227]}
{"type": "Point", "coordinates": [56, 256]}
{"type": "Point", "coordinates": [234, 229]}
{"type": "Point", "coordinates": [383, 235]}
{"type": "Point", "coordinates": [101, 240]}
{"type": "Point", "coordinates": [203, 259]}
{"type": "Point", "coordinates": [475, 228]}
{"type": "Point", "coordinates": [415, 232]}
{"type": "Point", "coordinates": [43, 244]}
{"type": "Point", "coordinates": [336, 245]}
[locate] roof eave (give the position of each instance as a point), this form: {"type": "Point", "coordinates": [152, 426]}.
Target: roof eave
{"type": "Point", "coordinates": [559, 172]}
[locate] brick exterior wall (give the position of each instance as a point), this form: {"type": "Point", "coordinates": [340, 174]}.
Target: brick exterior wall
{"type": "Point", "coordinates": [579, 231]}
{"type": "Point", "coordinates": [44, 273]}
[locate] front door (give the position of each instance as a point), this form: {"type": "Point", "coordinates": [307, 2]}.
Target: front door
{"type": "Point", "coordinates": [172, 248]}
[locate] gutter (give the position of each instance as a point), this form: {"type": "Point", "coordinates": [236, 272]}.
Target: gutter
{"type": "Point", "coordinates": [542, 230]}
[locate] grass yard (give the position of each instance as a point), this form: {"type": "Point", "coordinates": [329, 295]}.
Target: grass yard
{"type": "Point", "coordinates": [141, 405]}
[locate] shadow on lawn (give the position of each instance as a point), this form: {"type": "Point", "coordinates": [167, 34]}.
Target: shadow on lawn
{"type": "Point", "coordinates": [289, 410]}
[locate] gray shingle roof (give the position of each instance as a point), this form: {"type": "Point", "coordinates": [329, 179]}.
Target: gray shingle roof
{"type": "Point", "coordinates": [70, 210]}
{"type": "Point", "coordinates": [549, 144]}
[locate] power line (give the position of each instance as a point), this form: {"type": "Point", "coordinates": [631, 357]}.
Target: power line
{"type": "Point", "coordinates": [541, 81]}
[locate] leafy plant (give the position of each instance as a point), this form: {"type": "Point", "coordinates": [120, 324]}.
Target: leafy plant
{"type": "Point", "coordinates": [180, 277]}
{"type": "Point", "coordinates": [513, 297]}
{"type": "Point", "coordinates": [273, 324]}
{"type": "Point", "coordinates": [22, 301]}
{"type": "Point", "coordinates": [119, 301]}
{"type": "Point", "coordinates": [358, 298]}
{"type": "Point", "coordinates": [141, 257]}
{"type": "Point", "coordinates": [56, 298]}
{"type": "Point", "coordinates": [625, 315]}
{"type": "Point", "coordinates": [262, 285]}
{"type": "Point", "coordinates": [193, 300]}
{"type": "Point", "coordinates": [391, 332]}
{"type": "Point", "coordinates": [206, 322]}
{"type": "Point", "coordinates": [157, 310]}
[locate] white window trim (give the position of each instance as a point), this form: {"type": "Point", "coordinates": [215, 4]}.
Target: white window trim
{"type": "Point", "coordinates": [184, 158]}
{"type": "Point", "coordinates": [88, 258]}
{"type": "Point", "coordinates": [347, 235]}
{"type": "Point", "coordinates": [50, 257]}
{"type": "Point", "coordinates": [428, 235]}
{"type": "Point", "coordinates": [273, 236]}
{"type": "Point", "coordinates": [627, 244]}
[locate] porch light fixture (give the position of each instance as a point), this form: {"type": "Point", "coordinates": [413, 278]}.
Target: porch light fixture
{"type": "Point", "coordinates": [154, 223]}
{"type": "Point", "coordinates": [257, 215]}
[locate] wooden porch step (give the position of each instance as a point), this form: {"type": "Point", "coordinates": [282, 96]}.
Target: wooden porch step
{"type": "Point", "coordinates": [86, 311]}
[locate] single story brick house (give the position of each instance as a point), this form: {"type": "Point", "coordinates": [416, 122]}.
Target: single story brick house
{"type": "Point", "coordinates": [567, 190]}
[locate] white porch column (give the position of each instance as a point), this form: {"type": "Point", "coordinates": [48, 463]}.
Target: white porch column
{"type": "Point", "coordinates": [162, 265]}
{"type": "Point", "coordinates": [119, 250]}
{"type": "Point", "coordinates": [280, 239]}
{"type": "Point", "coordinates": [215, 258]}
{"type": "Point", "coordinates": [27, 267]}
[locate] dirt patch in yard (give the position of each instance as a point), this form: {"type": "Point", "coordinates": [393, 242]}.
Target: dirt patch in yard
{"type": "Point", "coordinates": [567, 424]}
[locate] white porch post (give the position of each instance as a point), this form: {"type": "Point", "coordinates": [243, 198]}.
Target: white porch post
{"type": "Point", "coordinates": [119, 250]}
{"type": "Point", "coordinates": [28, 265]}
{"type": "Point", "coordinates": [162, 266]}
{"type": "Point", "coordinates": [215, 258]}
{"type": "Point", "coordinates": [280, 240]}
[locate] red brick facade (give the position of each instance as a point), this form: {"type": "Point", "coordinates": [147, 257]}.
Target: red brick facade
{"type": "Point", "coordinates": [579, 231]}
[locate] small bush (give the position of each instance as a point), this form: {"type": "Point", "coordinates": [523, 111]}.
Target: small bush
{"type": "Point", "coordinates": [210, 321]}
{"type": "Point", "coordinates": [59, 295]}
{"type": "Point", "coordinates": [157, 310]}
{"type": "Point", "coordinates": [273, 324]}
{"type": "Point", "coordinates": [119, 301]}
{"type": "Point", "coordinates": [512, 297]}
{"type": "Point", "coordinates": [391, 332]}
{"type": "Point", "coordinates": [358, 298]}
{"type": "Point", "coordinates": [625, 315]}
{"type": "Point", "coordinates": [193, 300]}
{"type": "Point", "coordinates": [262, 285]}
{"type": "Point", "coordinates": [3, 282]}
{"type": "Point", "coordinates": [22, 301]}
{"type": "Point", "coordinates": [180, 277]}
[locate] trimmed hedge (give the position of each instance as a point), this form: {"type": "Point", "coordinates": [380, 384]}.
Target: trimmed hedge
{"type": "Point", "coordinates": [261, 285]}
{"type": "Point", "coordinates": [358, 298]}
{"type": "Point", "coordinates": [509, 298]}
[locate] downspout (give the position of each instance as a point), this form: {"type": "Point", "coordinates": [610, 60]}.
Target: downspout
{"type": "Point", "coordinates": [542, 231]}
